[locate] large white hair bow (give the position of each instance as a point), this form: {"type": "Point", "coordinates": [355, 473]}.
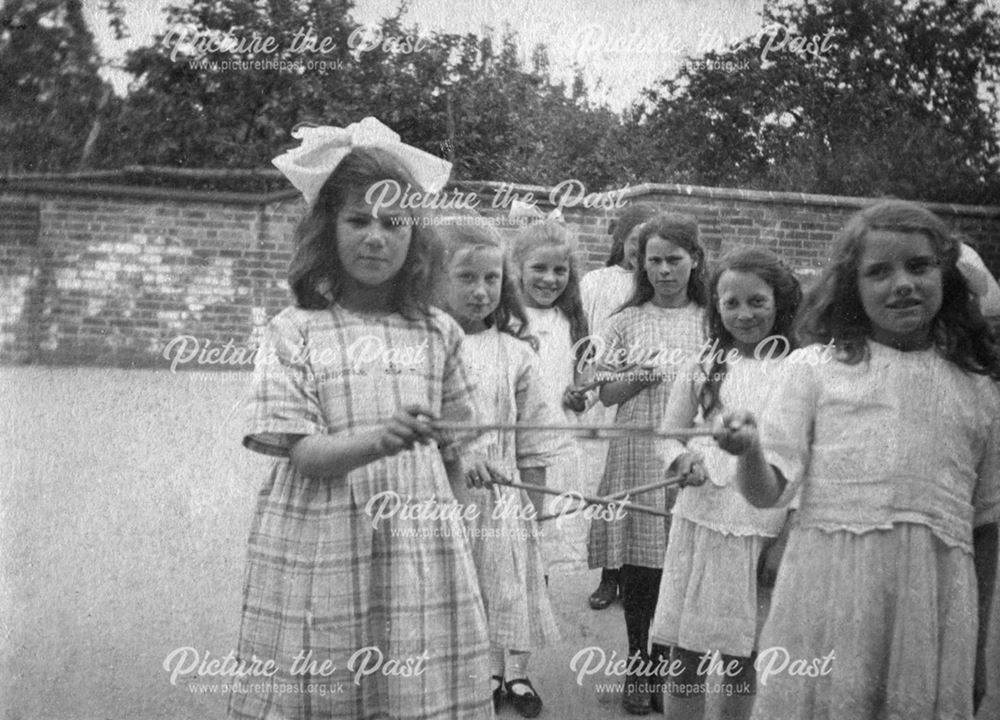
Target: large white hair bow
{"type": "Point", "coordinates": [526, 213]}
{"type": "Point", "coordinates": [980, 281]}
{"type": "Point", "coordinates": [309, 165]}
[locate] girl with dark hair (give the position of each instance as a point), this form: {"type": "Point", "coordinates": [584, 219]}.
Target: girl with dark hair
{"type": "Point", "coordinates": [660, 327]}
{"type": "Point", "coordinates": [603, 291]}
{"type": "Point", "coordinates": [709, 594]}
{"type": "Point", "coordinates": [343, 399]}
{"type": "Point", "coordinates": [479, 292]}
{"type": "Point", "coordinates": [892, 431]}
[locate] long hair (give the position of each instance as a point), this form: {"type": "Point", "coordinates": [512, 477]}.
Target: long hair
{"type": "Point", "coordinates": [621, 228]}
{"type": "Point", "coordinates": [787, 296]}
{"type": "Point", "coordinates": [832, 310]}
{"type": "Point", "coordinates": [682, 231]}
{"type": "Point", "coordinates": [553, 234]}
{"type": "Point", "coordinates": [316, 275]}
{"type": "Point", "coordinates": [469, 232]}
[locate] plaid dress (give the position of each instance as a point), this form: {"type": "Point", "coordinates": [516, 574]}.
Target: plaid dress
{"type": "Point", "coordinates": [363, 611]}
{"type": "Point", "coordinates": [678, 334]}
{"type": "Point", "coordinates": [506, 544]}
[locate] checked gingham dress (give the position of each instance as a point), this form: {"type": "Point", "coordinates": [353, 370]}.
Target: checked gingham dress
{"type": "Point", "coordinates": [324, 582]}
{"type": "Point", "coordinates": [639, 538]}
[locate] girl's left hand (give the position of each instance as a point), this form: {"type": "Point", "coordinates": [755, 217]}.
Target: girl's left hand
{"type": "Point", "coordinates": [573, 399]}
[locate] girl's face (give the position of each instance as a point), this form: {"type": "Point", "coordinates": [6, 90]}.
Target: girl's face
{"type": "Point", "coordinates": [747, 309]}
{"type": "Point", "coordinates": [472, 287]}
{"type": "Point", "coordinates": [371, 248]}
{"type": "Point", "coordinates": [668, 268]}
{"type": "Point", "coordinates": [544, 276]}
{"type": "Point", "coordinates": [899, 282]}
{"type": "Point", "coordinates": [631, 248]}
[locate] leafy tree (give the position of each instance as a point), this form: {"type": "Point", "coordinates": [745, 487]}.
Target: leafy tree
{"type": "Point", "coordinates": [466, 97]}
{"type": "Point", "coordinates": [892, 97]}
{"type": "Point", "coordinates": [50, 92]}
{"type": "Point", "coordinates": [187, 107]}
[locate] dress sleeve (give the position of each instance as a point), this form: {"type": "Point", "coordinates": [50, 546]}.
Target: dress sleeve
{"type": "Point", "coordinates": [786, 426]}
{"type": "Point", "coordinates": [613, 342]}
{"type": "Point", "coordinates": [283, 404]}
{"type": "Point", "coordinates": [534, 448]}
{"type": "Point", "coordinates": [986, 497]}
{"type": "Point", "coordinates": [458, 402]}
{"type": "Point", "coordinates": [587, 297]}
{"type": "Point", "coordinates": [682, 409]}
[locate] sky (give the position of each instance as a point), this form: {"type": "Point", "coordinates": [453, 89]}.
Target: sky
{"type": "Point", "coordinates": [621, 46]}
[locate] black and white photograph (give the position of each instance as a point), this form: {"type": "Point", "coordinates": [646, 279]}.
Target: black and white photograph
{"type": "Point", "coordinates": [471, 359]}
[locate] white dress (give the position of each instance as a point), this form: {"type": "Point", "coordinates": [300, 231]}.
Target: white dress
{"type": "Point", "coordinates": [708, 597]}
{"type": "Point", "coordinates": [898, 458]}
{"type": "Point", "coordinates": [564, 542]}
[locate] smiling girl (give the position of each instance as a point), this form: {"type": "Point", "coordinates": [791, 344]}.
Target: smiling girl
{"type": "Point", "coordinates": [543, 258]}
{"type": "Point", "coordinates": [709, 594]}
{"type": "Point", "coordinates": [895, 444]}
{"type": "Point", "coordinates": [479, 292]}
{"type": "Point", "coordinates": [663, 315]}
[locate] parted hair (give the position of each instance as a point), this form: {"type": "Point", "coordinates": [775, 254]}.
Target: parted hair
{"type": "Point", "coordinates": [787, 296]}
{"type": "Point", "coordinates": [316, 275]}
{"type": "Point", "coordinates": [682, 231]}
{"type": "Point", "coordinates": [832, 309]}
{"type": "Point", "coordinates": [552, 233]}
{"type": "Point", "coordinates": [458, 233]}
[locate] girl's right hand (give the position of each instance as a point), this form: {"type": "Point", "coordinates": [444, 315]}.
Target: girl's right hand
{"type": "Point", "coordinates": [409, 426]}
{"type": "Point", "coordinates": [481, 473]}
{"type": "Point", "coordinates": [736, 432]}
{"type": "Point", "coordinates": [690, 467]}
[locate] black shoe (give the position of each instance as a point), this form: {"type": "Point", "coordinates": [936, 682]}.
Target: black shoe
{"type": "Point", "coordinates": [660, 656]}
{"type": "Point", "coordinates": [607, 592]}
{"type": "Point", "coordinates": [497, 693]}
{"type": "Point", "coordinates": [528, 705]}
{"type": "Point", "coordinates": [636, 697]}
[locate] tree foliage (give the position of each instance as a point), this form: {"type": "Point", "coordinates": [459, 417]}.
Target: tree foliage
{"type": "Point", "coordinates": [903, 101]}
{"type": "Point", "coordinates": [50, 91]}
{"type": "Point", "coordinates": [847, 97]}
{"type": "Point", "coordinates": [467, 97]}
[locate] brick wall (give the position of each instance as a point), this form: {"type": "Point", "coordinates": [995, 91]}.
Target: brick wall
{"type": "Point", "coordinates": [112, 275]}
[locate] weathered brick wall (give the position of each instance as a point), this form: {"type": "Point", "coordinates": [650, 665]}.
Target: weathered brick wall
{"type": "Point", "coordinates": [110, 276]}
{"type": "Point", "coordinates": [110, 281]}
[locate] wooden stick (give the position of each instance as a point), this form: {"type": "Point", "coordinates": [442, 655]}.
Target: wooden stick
{"type": "Point", "coordinates": [665, 482]}
{"type": "Point", "coordinates": [649, 487]}
{"type": "Point", "coordinates": [590, 499]}
{"type": "Point", "coordinates": [591, 430]}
